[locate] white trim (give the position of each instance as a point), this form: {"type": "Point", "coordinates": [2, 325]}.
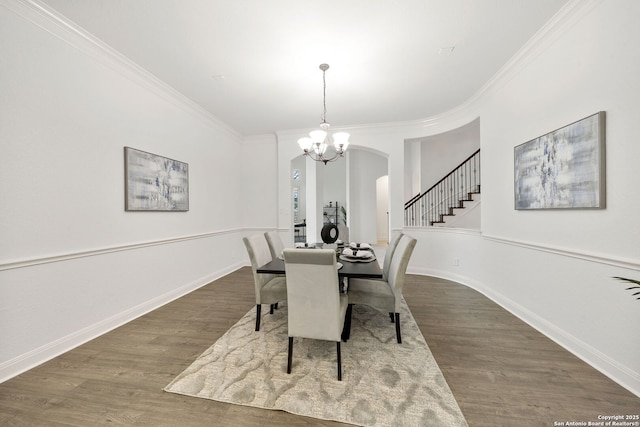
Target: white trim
{"type": "Point", "coordinates": [451, 230]}
{"type": "Point", "coordinates": [572, 12]}
{"type": "Point", "coordinates": [59, 26]}
{"type": "Point", "coordinates": [572, 253]}
{"type": "Point", "coordinates": [563, 20]}
{"type": "Point", "coordinates": [49, 20]}
{"type": "Point", "coordinates": [582, 255]}
{"type": "Point", "coordinates": [618, 372]}
{"type": "Point", "coordinates": [33, 358]}
{"type": "Point", "coordinates": [94, 252]}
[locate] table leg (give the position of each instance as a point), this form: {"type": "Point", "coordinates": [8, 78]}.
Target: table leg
{"type": "Point", "coordinates": [346, 330]}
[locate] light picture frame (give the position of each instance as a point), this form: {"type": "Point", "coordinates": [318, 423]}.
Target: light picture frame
{"type": "Point", "coordinates": [563, 169]}
{"type": "Point", "coordinates": [155, 183]}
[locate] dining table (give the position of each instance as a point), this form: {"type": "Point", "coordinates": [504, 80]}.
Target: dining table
{"type": "Point", "coordinates": [349, 270]}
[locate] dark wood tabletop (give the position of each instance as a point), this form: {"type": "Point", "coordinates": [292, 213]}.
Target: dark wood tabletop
{"type": "Point", "coordinates": [366, 270]}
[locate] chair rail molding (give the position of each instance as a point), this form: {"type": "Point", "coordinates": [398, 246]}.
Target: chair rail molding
{"type": "Point", "coordinates": [582, 255]}
{"type": "Point", "coordinates": [572, 253]}
{"type": "Point", "coordinates": [619, 370]}
{"type": "Point", "coordinates": [48, 351]}
{"type": "Point", "coordinates": [106, 250]}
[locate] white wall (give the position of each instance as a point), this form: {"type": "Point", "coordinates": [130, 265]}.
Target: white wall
{"type": "Point", "coordinates": [412, 169]}
{"type": "Point", "coordinates": [73, 263]}
{"type": "Point", "coordinates": [382, 209]}
{"type": "Point", "coordinates": [591, 67]}
{"type": "Point", "coordinates": [364, 169]}
{"type": "Point", "coordinates": [254, 178]}
{"type": "Point", "coordinates": [554, 268]}
{"type": "Point", "coordinates": [333, 177]}
{"type": "Point", "coordinates": [551, 268]}
{"type": "Point", "coordinates": [589, 64]}
{"type": "Point", "coordinates": [440, 154]}
{"type": "Point", "coordinates": [382, 140]}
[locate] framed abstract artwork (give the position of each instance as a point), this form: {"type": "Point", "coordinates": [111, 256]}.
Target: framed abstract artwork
{"type": "Point", "coordinates": [563, 169]}
{"type": "Point", "coordinates": [155, 183]}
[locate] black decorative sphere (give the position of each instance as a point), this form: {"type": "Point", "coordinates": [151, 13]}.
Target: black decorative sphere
{"type": "Point", "coordinates": [329, 233]}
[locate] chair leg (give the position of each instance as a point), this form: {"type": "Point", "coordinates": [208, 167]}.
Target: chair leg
{"type": "Point", "coordinates": [258, 310]}
{"type": "Point", "coordinates": [276, 306]}
{"type": "Point", "coordinates": [339, 362]}
{"type": "Point", "coordinates": [398, 336]}
{"type": "Point", "coordinates": [271, 308]}
{"type": "Point", "coordinates": [391, 316]}
{"type": "Point", "coordinates": [290, 356]}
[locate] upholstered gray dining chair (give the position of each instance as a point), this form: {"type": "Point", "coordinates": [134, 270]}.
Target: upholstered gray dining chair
{"type": "Point", "coordinates": [269, 288]}
{"type": "Point", "coordinates": [275, 243]}
{"type": "Point", "coordinates": [391, 247]}
{"type": "Point", "coordinates": [316, 307]}
{"type": "Point", "coordinates": [386, 295]}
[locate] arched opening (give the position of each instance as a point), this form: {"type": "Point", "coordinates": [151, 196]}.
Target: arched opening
{"type": "Point", "coordinates": [346, 192]}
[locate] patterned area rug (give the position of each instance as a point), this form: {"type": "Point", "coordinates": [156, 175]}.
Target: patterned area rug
{"type": "Point", "coordinates": [383, 383]}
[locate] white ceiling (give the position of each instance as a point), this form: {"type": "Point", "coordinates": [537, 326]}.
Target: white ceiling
{"type": "Point", "coordinates": [254, 63]}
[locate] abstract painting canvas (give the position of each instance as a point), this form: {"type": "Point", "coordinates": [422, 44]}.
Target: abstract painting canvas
{"type": "Point", "coordinates": [564, 169]}
{"type": "Point", "coordinates": [155, 183]}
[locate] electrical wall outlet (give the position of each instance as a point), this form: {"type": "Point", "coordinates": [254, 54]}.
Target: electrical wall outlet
{"type": "Point", "coordinates": [456, 262]}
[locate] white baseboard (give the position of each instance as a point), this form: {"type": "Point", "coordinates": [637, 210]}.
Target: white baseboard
{"type": "Point", "coordinates": [617, 372]}
{"type": "Point", "coordinates": [24, 362]}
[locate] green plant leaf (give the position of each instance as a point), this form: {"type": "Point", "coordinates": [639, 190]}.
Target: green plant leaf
{"type": "Point", "coordinates": [636, 282]}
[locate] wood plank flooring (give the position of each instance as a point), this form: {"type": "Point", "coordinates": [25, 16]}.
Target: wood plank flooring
{"type": "Point", "coordinates": [501, 371]}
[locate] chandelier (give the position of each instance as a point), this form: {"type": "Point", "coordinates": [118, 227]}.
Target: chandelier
{"type": "Point", "coordinates": [315, 145]}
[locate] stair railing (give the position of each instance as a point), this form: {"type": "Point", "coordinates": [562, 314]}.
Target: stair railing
{"type": "Point", "coordinates": [450, 192]}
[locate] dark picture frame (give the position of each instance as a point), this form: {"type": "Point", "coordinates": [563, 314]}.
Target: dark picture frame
{"type": "Point", "coordinates": [563, 169]}
{"type": "Point", "coordinates": [155, 183]}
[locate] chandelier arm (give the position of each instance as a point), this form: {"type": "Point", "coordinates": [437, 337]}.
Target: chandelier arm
{"type": "Point", "coordinates": [320, 157]}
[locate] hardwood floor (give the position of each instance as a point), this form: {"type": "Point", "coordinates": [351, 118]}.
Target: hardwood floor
{"type": "Point", "coordinates": [501, 371]}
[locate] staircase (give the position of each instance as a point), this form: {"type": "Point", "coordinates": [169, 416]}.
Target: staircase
{"type": "Point", "coordinates": [462, 216]}
{"type": "Point", "coordinates": [458, 190]}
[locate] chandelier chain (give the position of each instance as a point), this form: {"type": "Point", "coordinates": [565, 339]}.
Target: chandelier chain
{"type": "Point", "coordinates": [324, 97]}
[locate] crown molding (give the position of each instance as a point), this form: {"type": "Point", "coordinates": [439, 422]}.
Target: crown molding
{"type": "Point", "coordinates": [64, 29]}
{"type": "Point", "coordinates": [571, 13]}
{"type": "Point", "coordinates": [51, 21]}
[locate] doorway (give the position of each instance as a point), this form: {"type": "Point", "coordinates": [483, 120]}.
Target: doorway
{"type": "Point", "coordinates": [382, 210]}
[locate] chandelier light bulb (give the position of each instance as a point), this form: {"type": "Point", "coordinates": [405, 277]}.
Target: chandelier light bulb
{"type": "Point", "coordinates": [341, 141]}
{"type": "Point", "coordinates": [320, 148]}
{"type": "Point", "coordinates": [305, 143]}
{"type": "Point", "coordinates": [318, 136]}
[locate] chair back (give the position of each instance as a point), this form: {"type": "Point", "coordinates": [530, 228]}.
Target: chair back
{"type": "Point", "coordinates": [275, 243]}
{"type": "Point", "coordinates": [313, 295]}
{"type": "Point", "coordinates": [259, 254]}
{"type": "Point", "coordinates": [399, 263]}
{"type": "Point", "coordinates": [389, 254]}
